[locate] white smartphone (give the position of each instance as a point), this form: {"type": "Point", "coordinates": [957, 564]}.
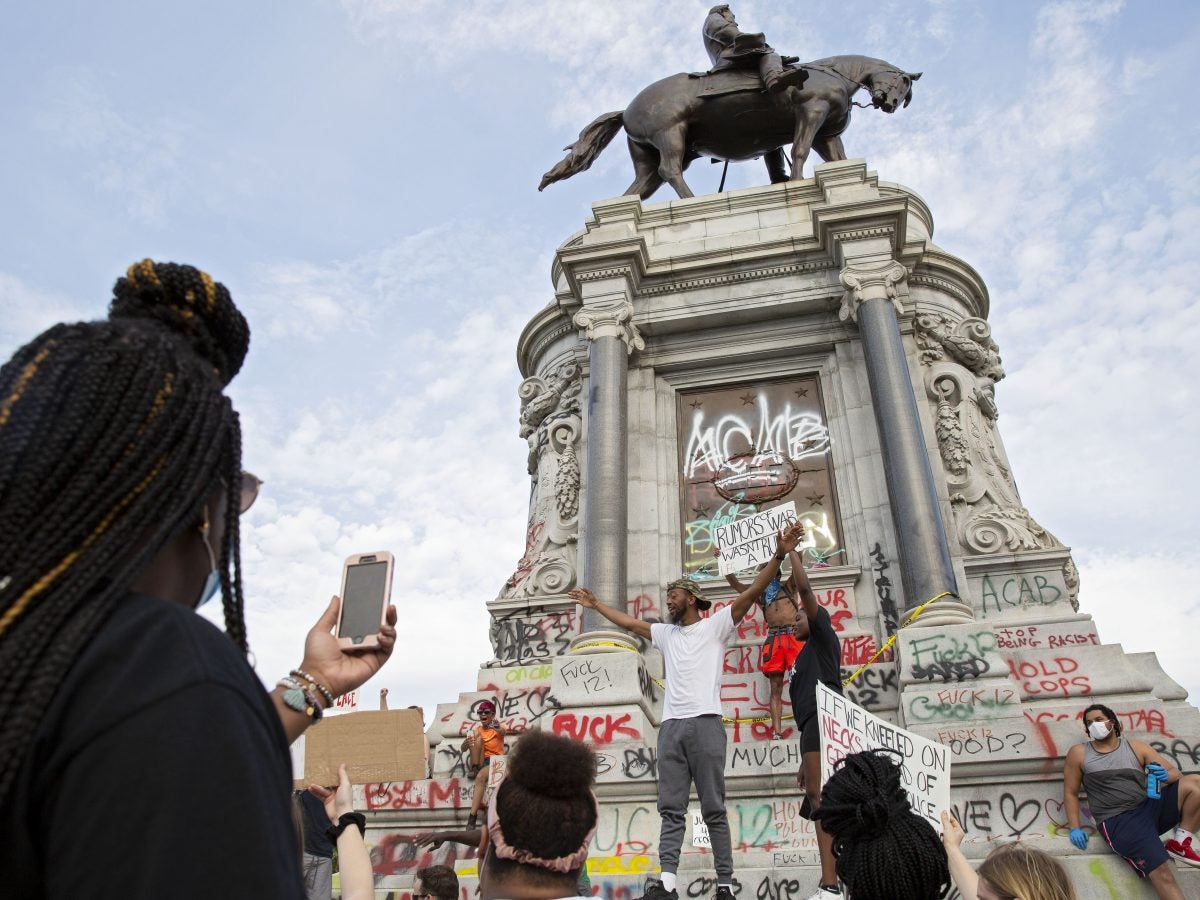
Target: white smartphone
{"type": "Point", "coordinates": [366, 590]}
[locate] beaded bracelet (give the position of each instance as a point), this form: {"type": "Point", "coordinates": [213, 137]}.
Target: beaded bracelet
{"type": "Point", "coordinates": [316, 685]}
{"type": "Point", "coordinates": [295, 697]}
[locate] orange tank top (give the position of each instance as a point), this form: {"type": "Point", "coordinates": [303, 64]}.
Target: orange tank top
{"type": "Point", "coordinates": [493, 741]}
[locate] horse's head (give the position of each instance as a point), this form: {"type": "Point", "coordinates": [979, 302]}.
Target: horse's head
{"type": "Point", "coordinates": [891, 89]}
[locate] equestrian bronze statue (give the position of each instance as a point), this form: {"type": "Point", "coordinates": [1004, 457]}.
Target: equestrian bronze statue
{"type": "Point", "coordinates": [752, 103]}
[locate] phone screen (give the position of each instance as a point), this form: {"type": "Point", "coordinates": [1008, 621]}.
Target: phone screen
{"type": "Point", "coordinates": [362, 607]}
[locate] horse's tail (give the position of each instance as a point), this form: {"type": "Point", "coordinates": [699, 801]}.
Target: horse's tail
{"type": "Point", "coordinates": [581, 154]}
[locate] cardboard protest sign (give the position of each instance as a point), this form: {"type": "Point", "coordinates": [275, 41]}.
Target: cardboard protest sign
{"type": "Point", "coordinates": [348, 702]}
{"type": "Point", "coordinates": [924, 765]}
{"type": "Point", "coordinates": [751, 541]}
{"type": "Point", "coordinates": [375, 745]}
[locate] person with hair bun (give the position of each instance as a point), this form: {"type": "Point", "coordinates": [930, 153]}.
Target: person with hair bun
{"type": "Point", "coordinates": [139, 755]}
{"type": "Point", "coordinates": [884, 850]}
{"type": "Point", "coordinates": [540, 821]}
{"type": "Point", "coordinates": [1010, 871]}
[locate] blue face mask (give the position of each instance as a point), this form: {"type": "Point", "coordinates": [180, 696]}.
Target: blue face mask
{"type": "Point", "coordinates": [213, 583]}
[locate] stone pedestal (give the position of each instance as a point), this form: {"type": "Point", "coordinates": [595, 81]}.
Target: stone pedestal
{"type": "Point", "coordinates": [678, 322]}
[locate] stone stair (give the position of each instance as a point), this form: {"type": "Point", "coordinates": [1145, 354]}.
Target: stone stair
{"type": "Point", "coordinates": [1005, 701]}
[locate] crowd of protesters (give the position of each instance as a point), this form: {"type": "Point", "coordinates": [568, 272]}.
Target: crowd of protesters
{"type": "Point", "coordinates": [140, 756]}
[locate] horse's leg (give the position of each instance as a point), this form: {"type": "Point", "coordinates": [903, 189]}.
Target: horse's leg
{"type": "Point", "coordinates": [809, 119]}
{"type": "Point", "coordinates": [645, 168]}
{"type": "Point", "coordinates": [830, 149]}
{"type": "Point", "coordinates": [670, 143]}
{"type": "Point", "coordinates": [776, 169]}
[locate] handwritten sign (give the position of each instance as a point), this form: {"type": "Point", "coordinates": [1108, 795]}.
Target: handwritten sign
{"type": "Point", "coordinates": [751, 541]}
{"type": "Point", "coordinates": [700, 836]}
{"type": "Point", "coordinates": [348, 702]}
{"type": "Point", "coordinates": [924, 765]}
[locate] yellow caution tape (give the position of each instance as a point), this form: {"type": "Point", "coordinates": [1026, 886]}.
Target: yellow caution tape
{"type": "Point", "coordinates": [887, 645]}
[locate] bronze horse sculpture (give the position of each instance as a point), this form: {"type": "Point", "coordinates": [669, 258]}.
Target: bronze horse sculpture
{"type": "Point", "coordinates": [676, 120]}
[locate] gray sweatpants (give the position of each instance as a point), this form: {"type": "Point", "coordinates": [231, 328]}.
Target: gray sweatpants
{"type": "Point", "coordinates": [693, 750]}
{"type": "Point", "coordinates": [318, 876]}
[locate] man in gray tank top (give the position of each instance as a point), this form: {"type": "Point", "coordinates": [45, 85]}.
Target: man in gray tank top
{"type": "Point", "coordinates": [1135, 795]}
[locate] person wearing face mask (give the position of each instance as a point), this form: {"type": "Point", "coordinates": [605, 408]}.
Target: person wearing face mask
{"type": "Point", "coordinates": [140, 756]}
{"type": "Point", "coordinates": [1130, 811]}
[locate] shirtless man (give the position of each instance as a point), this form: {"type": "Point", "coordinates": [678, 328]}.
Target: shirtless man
{"type": "Point", "coordinates": [780, 648]}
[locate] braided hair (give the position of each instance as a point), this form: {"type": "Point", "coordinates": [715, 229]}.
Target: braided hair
{"type": "Point", "coordinates": [884, 850]}
{"type": "Point", "coordinates": [113, 436]}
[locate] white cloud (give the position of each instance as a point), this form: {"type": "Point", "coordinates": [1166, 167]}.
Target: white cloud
{"type": "Point", "coordinates": [137, 160]}
{"type": "Point", "coordinates": [28, 311]}
{"type": "Point", "coordinates": [428, 465]}
{"type": "Point", "coordinates": [1130, 593]}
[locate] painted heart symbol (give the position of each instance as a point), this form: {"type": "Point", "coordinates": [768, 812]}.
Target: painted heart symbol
{"type": "Point", "coordinates": [1018, 816]}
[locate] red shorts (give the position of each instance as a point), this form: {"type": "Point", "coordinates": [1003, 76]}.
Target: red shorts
{"type": "Point", "coordinates": [779, 651]}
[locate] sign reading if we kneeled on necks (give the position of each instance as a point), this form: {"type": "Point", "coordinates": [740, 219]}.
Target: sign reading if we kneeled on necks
{"type": "Point", "coordinates": [924, 765]}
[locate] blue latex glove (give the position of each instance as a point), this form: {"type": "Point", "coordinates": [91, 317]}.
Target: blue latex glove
{"type": "Point", "coordinates": [1157, 771]}
{"type": "Point", "coordinates": [1079, 838]}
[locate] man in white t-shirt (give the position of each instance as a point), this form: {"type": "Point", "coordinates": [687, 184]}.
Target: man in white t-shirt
{"type": "Point", "coordinates": [691, 739]}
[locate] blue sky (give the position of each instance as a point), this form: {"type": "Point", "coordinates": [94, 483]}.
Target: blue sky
{"type": "Point", "coordinates": [362, 175]}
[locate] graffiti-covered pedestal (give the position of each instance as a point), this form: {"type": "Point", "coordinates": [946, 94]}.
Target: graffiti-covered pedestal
{"type": "Point", "coordinates": [703, 359]}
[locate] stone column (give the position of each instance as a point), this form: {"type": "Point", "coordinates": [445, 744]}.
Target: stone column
{"type": "Point", "coordinates": [612, 337]}
{"type": "Point", "coordinates": [871, 301]}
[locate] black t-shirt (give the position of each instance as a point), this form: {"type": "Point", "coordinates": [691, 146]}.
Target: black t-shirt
{"type": "Point", "coordinates": [316, 823]}
{"type": "Point", "coordinates": [160, 769]}
{"type": "Point", "coordinates": [820, 660]}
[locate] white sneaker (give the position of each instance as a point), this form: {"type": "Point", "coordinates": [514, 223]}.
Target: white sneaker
{"type": "Point", "coordinates": [826, 894]}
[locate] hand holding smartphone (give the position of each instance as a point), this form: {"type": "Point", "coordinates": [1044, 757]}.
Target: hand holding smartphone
{"type": "Point", "coordinates": [366, 591]}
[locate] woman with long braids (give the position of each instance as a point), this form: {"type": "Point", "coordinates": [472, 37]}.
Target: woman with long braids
{"type": "Point", "coordinates": [139, 755]}
{"type": "Point", "coordinates": [884, 850]}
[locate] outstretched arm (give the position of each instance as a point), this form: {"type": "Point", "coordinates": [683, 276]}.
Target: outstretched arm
{"type": "Point", "coordinates": [358, 882]}
{"type": "Point", "coordinates": [587, 599]}
{"type": "Point", "coordinates": [434, 839]}
{"type": "Point", "coordinates": [964, 876]}
{"type": "Point", "coordinates": [804, 590]}
{"type": "Point", "coordinates": [787, 541]}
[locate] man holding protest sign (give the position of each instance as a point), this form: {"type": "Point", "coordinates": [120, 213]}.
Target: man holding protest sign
{"type": "Point", "coordinates": [780, 647]}
{"type": "Point", "coordinates": [749, 542]}
{"type": "Point", "coordinates": [819, 662]}
{"type": "Point", "coordinates": [691, 739]}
